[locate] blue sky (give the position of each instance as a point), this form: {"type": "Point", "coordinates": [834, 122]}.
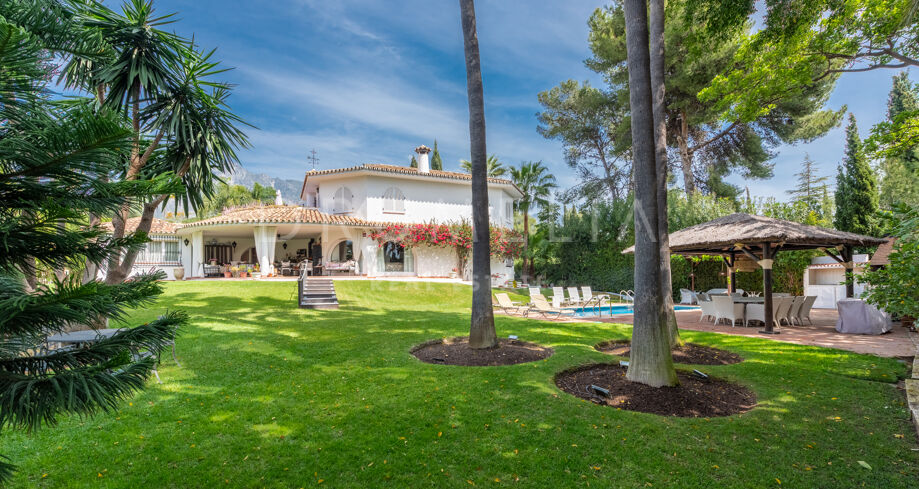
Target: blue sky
{"type": "Point", "coordinates": [367, 81]}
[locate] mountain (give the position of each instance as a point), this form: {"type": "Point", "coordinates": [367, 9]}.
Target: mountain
{"type": "Point", "coordinates": [290, 189]}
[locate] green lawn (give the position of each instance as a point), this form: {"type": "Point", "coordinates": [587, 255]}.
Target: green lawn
{"type": "Point", "coordinates": [272, 396]}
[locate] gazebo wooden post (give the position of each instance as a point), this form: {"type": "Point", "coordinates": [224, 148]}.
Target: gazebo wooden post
{"type": "Point", "coordinates": [849, 264]}
{"type": "Point", "coordinates": [766, 264]}
{"type": "Point", "coordinates": [733, 270]}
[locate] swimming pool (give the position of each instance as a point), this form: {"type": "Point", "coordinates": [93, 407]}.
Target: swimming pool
{"type": "Point", "coordinates": [612, 310]}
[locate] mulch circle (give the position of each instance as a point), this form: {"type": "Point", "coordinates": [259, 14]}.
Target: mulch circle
{"type": "Point", "coordinates": [689, 353]}
{"type": "Point", "coordinates": [456, 351]}
{"type": "Point", "coordinates": [693, 398]}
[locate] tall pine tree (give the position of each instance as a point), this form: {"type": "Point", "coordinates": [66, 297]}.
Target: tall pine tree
{"type": "Point", "coordinates": [900, 171]}
{"type": "Point", "coordinates": [808, 189]}
{"type": "Point", "coordinates": [856, 187]}
{"type": "Point", "coordinates": [437, 163]}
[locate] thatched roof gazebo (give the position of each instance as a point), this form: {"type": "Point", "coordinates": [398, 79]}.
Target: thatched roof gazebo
{"type": "Point", "coordinates": [760, 238]}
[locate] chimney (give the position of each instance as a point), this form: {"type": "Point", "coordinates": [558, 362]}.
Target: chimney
{"type": "Point", "coordinates": [277, 198]}
{"type": "Point", "coordinates": [424, 165]}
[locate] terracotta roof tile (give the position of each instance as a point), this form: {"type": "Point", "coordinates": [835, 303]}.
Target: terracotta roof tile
{"type": "Point", "coordinates": [405, 170]}
{"type": "Point", "coordinates": [158, 226]}
{"type": "Point", "coordinates": [278, 214]}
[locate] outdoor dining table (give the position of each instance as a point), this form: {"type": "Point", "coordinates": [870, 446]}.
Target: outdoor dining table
{"type": "Point", "coordinates": [80, 337]}
{"type": "Point", "coordinates": [749, 300]}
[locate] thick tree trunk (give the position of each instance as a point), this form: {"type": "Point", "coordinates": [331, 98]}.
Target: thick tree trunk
{"type": "Point", "coordinates": [689, 183]}
{"type": "Point", "coordinates": [656, 24]}
{"type": "Point", "coordinates": [650, 362]}
{"type": "Point", "coordinates": [482, 325]}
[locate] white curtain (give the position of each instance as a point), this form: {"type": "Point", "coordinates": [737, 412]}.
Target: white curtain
{"type": "Point", "coordinates": [265, 240]}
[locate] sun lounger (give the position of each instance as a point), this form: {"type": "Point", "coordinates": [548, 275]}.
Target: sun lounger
{"type": "Point", "coordinates": [508, 306]}
{"type": "Point", "coordinates": [544, 308]}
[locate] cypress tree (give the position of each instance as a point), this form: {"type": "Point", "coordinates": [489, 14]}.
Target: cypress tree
{"type": "Point", "coordinates": [413, 163]}
{"type": "Point", "coordinates": [437, 163]}
{"type": "Point", "coordinates": [856, 187]}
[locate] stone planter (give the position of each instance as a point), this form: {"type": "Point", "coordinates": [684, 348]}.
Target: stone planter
{"type": "Point", "coordinates": [227, 274]}
{"type": "Point", "coordinates": [178, 273]}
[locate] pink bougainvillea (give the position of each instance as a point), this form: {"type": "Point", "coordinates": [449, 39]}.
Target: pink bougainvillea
{"type": "Point", "coordinates": [506, 243]}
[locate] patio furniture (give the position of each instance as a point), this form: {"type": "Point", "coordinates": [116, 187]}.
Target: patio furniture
{"type": "Point", "coordinates": [573, 296]}
{"type": "Point", "coordinates": [784, 308]}
{"type": "Point", "coordinates": [859, 317]}
{"type": "Point", "coordinates": [558, 295]}
{"type": "Point", "coordinates": [708, 308]}
{"type": "Point", "coordinates": [348, 267]}
{"type": "Point", "coordinates": [805, 312]}
{"type": "Point", "coordinates": [287, 268]}
{"type": "Point", "coordinates": [212, 271]}
{"type": "Point", "coordinates": [795, 309]}
{"type": "Point", "coordinates": [687, 296]}
{"type": "Point", "coordinates": [725, 308]}
{"type": "Point", "coordinates": [757, 312]}
{"type": "Point", "coordinates": [717, 291]}
{"type": "Point", "coordinates": [543, 307]}
{"type": "Point", "coordinates": [506, 304]}
{"type": "Point", "coordinates": [534, 290]}
{"type": "Point", "coordinates": [77, 338]}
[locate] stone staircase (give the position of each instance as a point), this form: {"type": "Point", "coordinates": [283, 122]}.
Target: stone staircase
{"type": "Point", "coordinates": [318, 293]}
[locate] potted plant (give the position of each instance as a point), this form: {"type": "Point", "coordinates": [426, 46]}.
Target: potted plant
{"type": "Point", "coordinates": [256, 273]}
{"type": "Point", "coordinates": [244, 272]}
{"type": "Point", "coordinates": [234, 270]}
{"type": "Point", "coordinates": [453, 273]}
{"type": "Point", "coordinates": [226, 271]}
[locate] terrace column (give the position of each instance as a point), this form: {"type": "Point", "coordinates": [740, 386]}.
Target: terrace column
{"type": "Point", "coordinates": [197, 254]}
{"type": "Point", "coordinates": [265, 241]}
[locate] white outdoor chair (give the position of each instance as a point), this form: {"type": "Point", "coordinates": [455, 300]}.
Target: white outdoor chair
{"type": "Point", "coordinates": [796, 304]}
{"type": "Point", "coordinates": [558, 295]}
{"type": "Point", "coordinates": [757, 312]}
{"type": "Point", "coordinates": [725, 308]}
{"type": "Point", "coordinates": [708, 308]}
{"type": "Point", "coordinates": [784, 308]}
{"type": "Point", "coordinates": [534, 290]}
{"type": "Point", "coordinates": [687, 296]}
{"type": "Point", "coordinates": [586, 293]}
{"type": "Point", "coordinates": [805, 311]}
{"type": "Point", "coordinates": [573, 296]}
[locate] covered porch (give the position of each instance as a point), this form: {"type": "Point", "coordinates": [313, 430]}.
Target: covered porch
{"type": "Point", "coordinates": [272, 241]}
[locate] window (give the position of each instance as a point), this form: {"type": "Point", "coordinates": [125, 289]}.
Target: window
{"type": "Point", "coordinates": [151, 253]}
{"type": "Point", "coordinates": [344, 251]}
{"type": "Point", "coordinates": [509, 211]}
{"type": "Point", "coordinates": [171, 251]}
{"type": "Point", "coordinates": [342, 201]}
{"type": "Point", "coordinates": [394, 257]}
{"type": "Point", "coordinates": [393, 201]}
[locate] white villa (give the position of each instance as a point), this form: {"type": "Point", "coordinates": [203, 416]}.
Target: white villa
{"type": "Point", "coordinates": [331, 233]}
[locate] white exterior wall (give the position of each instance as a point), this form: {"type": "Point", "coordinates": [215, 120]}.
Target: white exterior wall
{"type": "Point", "coordinates": [425, 200]}
{"type": "Point", "coordinates": [825, 283]}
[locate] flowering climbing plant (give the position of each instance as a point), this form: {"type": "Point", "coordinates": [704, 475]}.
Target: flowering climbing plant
{"type": "Point", "coordinates": [505, 243]}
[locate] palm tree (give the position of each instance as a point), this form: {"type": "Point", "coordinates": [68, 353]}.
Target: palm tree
{"type": "Point", "coordinates": [651, 362]}
{"type": "Point", "coordinates": [536, 184]}
{"type": "Point", "coordinates": [482, 325]}
{"type": "Point", "coordinates": [179, 118]}
{"type": "Point", "coordinates": [496, 169]}
{"type": "Point", "coordinates": [656, 16]}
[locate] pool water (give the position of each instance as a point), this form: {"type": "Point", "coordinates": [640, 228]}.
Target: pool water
{"type": "Point", "coordinates": [612, 310]}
